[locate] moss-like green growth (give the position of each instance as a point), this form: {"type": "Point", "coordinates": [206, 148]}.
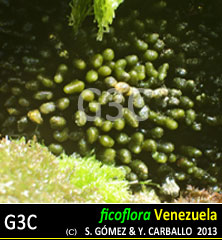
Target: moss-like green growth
{"type": "Point", "coordinates": [30, 173]}
{"type": "Point", "coordinates": [100, 183]}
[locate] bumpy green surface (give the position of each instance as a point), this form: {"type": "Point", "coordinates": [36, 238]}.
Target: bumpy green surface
{"type": "Point", "coordinates": [171, 50]}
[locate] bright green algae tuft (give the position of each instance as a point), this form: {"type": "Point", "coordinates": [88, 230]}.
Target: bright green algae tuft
{"type": "Point", "coordinates": [29, 173]}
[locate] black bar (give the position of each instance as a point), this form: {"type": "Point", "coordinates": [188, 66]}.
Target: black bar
{"type": "Point", "coordinates": [109, 221]}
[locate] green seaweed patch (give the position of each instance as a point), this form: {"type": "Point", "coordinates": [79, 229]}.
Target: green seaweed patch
{"type": "Point", "coordinates": [106, 183]}
{"type": "Point", "coordinates": [103, 10]}
{"type": "Point", "coordinates": [29, 172]}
